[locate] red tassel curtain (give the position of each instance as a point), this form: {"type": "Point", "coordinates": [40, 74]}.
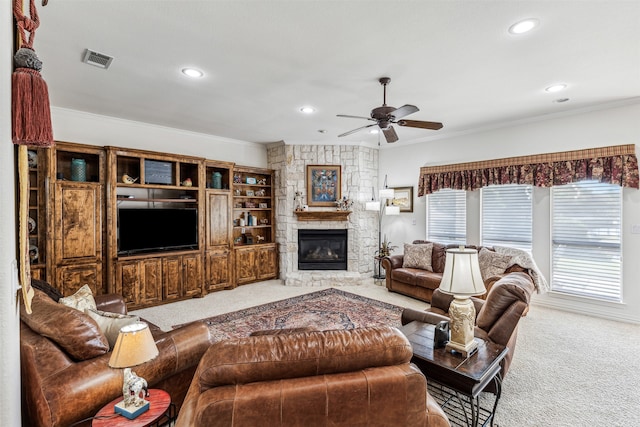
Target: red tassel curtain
{"type": "Point", "coordinates": [30, 95]}
{"type": "Point", "coordinates": [31, 126]}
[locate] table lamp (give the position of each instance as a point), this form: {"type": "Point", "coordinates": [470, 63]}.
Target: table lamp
{"type": "Point", "coordinates": [135, 345]}
{"type": "Point", "coordinates": [462, 279]}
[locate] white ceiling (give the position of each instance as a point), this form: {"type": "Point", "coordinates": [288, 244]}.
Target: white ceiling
{"type": "Point", "coordinates": [264, 59]}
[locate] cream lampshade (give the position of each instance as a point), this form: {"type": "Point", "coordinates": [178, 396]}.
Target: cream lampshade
{"type": "Point", "coordinates": [462, 279]}
{"type": "Point", "coordinates": [135, 345]}
{"type": "Point", "coordinates": [386, 193]}
{"type": "Point", "coordinates": [372, 206]}
{"type": "Point", "coordinates": [392, 210]}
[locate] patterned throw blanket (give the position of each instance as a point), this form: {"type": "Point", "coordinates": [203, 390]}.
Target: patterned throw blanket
{"type": "Point", "coordinates": [524, 260]}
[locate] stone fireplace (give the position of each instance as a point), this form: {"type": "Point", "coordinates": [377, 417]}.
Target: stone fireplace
{"type": "Point", "coordinates": [359, 171]}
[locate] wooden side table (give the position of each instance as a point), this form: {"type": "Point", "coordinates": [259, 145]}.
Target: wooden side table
{"type": "Point", "coordinates": [161, 411]}
{"type": "Point", "coordinates": [467, 376]}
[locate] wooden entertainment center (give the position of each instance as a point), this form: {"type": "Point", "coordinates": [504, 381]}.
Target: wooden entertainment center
{"type": "Point", "coordinates": [77, 192]}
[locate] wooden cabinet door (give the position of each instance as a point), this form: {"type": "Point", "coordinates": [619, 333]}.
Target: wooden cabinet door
{"type": "Point", "coordinates": [245, 265]}
{"type": "Point", "coordinates": [70, 278]}
{"type": "Point", "coordinates": [77, 222]}
{"type": "Point", "coordinates": [172, 277]}
{"type": "Point", "coordinates": [128, 281]}
{"type": "Point", "coordinates": [218, 219]}
{"type": "Point", "coordinates": [192, 275]}
{"type": "Point", "coordinates": [218, 269]}
{"type": "Point", "coordinates": [267, 262]}
{"type": "Point", "coordinates": [151, 284]}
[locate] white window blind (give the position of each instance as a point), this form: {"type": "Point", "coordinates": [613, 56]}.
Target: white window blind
{"type": "Point", "coordinates": [586, 240]}
{"type": "Point", "coordinates": [447, 216]}
{"type": "Point", "coordinates": [507, 216]}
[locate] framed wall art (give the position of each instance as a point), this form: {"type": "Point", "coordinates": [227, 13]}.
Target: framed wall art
{"type": "Point", "coordinates": [403, 198]}
{"type": "Point", "coordinates": [323, 185]}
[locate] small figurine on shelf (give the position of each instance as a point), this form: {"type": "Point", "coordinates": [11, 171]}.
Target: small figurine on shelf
{"type": "Point", "coordinates": [261, 193]}
{"type": "Point", "coordinates": [260, 238]}
{"type": "Point", "coordinates": [344, 204]}
{"type": "Point", "coordinates": [128, 180]}
{"type": "Point", "coordinates": [187, 183]}
{"type": "Point", "coordinates": [298, 199]}
{"type": "Point", "coordinates": [237, 179]}
{"type": "Point", "coordinates": [262, 181]}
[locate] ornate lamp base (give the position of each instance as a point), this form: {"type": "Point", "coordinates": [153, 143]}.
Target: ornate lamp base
{"type": "Point", "coordinates": [462, 314]}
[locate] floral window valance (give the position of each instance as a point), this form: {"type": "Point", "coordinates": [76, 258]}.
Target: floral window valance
{"type": "Point", "coordinates": [616, 165]}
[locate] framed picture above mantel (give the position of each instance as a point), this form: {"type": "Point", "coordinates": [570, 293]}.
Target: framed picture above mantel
{"type": "Point", "coordinates": [323, 185]}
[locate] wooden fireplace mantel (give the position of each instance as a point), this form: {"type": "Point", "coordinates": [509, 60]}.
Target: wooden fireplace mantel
{"type": "Point", "coordinates": [322, 215]}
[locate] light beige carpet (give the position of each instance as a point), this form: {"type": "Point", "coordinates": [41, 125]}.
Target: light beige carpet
{"type": "Point", "coordinates": [568, 370]}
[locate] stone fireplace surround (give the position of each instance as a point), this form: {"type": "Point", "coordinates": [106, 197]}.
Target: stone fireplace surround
{"type": "Point", "coordinates": [359, 167]}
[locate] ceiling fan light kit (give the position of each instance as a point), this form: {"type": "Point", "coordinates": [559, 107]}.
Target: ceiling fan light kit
{"type": "Point", "coordinates": [385, 116]}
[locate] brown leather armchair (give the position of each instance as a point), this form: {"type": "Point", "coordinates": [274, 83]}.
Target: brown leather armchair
{"type": "Point", "coordinates": [65, 380]}
{"type": "Point", "coordinates": [341, 378]}
{"type": "Point", "coordinates": [497, 317]}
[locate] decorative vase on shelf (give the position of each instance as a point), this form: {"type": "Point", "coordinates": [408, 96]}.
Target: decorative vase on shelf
{"type": "Point", "coordinates": [217, 180]}
{"type": "Point", "coordinates": [78, 170]}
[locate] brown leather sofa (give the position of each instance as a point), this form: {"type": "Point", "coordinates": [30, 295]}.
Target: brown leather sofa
{"type": "Point", "coordinates": [497, 317]}
{"type": "Point", "coordinates": [65, 376]}
{"type": "Point", "coordinates": [420, 283]}
{"type": "Point", "coordinates": [358, 377]}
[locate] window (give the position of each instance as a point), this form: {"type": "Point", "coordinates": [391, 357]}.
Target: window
{"type": "Point", "coordinates": [447, 216]}
{"type": "Point", "coordinates": [586, 240]}
{"type": "Point", "coordinates": [507, 216]}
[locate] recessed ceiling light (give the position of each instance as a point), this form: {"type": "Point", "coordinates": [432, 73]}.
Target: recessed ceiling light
{"type": "Point", "coordinates": [322, 130]}
{"type": "Point", "coordinates": [192, 72]}
{"type": "Point", "coordinates": [561, 100]}
{"type": "Point", "coordinates": [556, 88]}
{"type": "Point", "coordinates": [374, 131]}
{"type": "Point", "coordinates": [308, 110]}
{"type": "Point", "coordinates": [524, 26]}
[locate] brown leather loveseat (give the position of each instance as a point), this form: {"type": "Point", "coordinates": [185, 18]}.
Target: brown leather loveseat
{"type": "Point", "coordinates": [65, 375]}
{"type": "Point", "coordinates": [417, 281]}
{"type": "Point", "coordinates": [358, 377]}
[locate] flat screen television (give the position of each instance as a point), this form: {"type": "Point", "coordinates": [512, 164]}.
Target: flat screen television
{"type": "Point", "coordinates": [156, 229]}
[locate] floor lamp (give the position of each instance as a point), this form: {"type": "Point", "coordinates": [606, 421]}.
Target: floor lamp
{"type": "Point", "coordinates": [382, 209]}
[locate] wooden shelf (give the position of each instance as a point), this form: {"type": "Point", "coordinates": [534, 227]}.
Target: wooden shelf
{"type": "Point", "coordinates": [322, 215]}
{"type": "Point", "coordinates": [159, 200]}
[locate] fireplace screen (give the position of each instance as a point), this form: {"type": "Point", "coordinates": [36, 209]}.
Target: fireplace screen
{"type": "Point", "coordinates": [322, 249]}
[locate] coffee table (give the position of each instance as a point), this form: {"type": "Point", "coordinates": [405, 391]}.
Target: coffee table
{"type": "Point", "coordinates": [466, 376]}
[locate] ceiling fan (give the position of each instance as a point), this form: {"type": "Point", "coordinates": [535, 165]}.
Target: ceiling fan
{"type": "Point", "coordinates": [385, 115]}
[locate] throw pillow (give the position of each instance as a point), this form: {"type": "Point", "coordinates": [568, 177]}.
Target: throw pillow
{"type": "Point", "coordinates": [74, 331]}
{"type": "Point", "coordinates": [417, 256]}
{"type": "Point", "coordinates": [492, 263]}
{"type": "Point", "coordinates": [81, 300]}
{"type": "Point", "coordinates": [110, 323]}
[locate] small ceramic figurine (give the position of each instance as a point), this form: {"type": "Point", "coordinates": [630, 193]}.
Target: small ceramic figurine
{"type": "Point", "coordinates": [134, 389]}
{"type": "Point", "coordinates": [187, 182]}
{"type": "Point", "coordinates": [128, 180]}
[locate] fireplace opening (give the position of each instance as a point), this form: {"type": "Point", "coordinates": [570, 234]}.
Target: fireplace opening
{"type": "Point", "coordinates": [322, 249]}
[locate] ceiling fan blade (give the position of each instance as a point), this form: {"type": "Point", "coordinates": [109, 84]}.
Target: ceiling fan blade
{"type": "Point", "coordinates": [356, 130]}
{"type": "Point", "coordinates": [420, 124]}
{"type": "Point", "coordinates": [405, 110]}
{"type": "Point", "coordinates": [354, 117]}
{"type": "Point", "coordinates": [390, 134]}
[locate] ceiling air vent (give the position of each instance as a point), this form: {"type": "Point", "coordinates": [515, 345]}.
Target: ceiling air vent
{"type": "Point", "coordinates": [98, 59]}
